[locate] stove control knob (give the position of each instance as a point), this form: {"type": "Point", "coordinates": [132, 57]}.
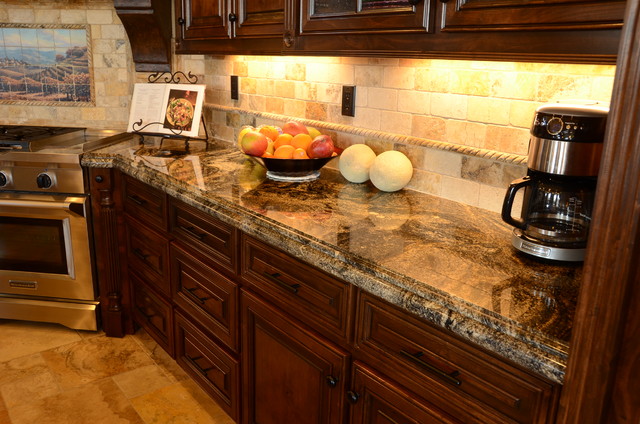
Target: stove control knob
{"type": "Point", "coordinates": [3, 179]}
{"type": "Point", "coordinates": [44, 181]}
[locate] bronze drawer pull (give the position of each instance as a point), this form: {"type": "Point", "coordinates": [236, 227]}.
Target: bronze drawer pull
{"type": "Point", "coordinates": [193, 362]}
{"type": "Point", "coordinates": [135, 199]}
{"type": "Point", "coordinates": [191, 294]}
{"type": "Point", "coordinates": [138, 253]}
{"type": "Point", "coordinates": [450, 377]}
{"type": "Point", "coordinates": [191, 231]}
{"type": "Point", "coordinates": [293, 288]}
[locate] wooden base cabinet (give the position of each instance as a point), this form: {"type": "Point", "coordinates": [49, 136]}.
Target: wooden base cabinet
{"type": "Point", "coordinates": [216, 371]}
{"type": "Point", "coordinates": [290, 375]}
{"type": "Point", "coordinates": [275, 340]}
{"type": "Point", "coordinates": [377, 400]}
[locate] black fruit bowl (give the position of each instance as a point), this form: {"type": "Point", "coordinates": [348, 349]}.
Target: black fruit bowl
{"type": "Point", "coordinates": [292, 169]}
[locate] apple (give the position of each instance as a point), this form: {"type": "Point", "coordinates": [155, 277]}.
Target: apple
{"type": "Point", "coordinates": [321, 147]}
{"type": "Point", "coordinates": [254, 143]}
{"type": "Point", "coordinates": [294, 128]}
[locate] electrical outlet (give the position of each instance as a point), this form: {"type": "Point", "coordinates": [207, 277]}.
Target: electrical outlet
{"type": "Point", "coordinates": [349, 100]}
{"type": "Point", "coordinates": [234, 87]}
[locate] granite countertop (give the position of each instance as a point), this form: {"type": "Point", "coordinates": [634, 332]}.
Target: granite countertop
{"type": "Point", "coordinates": [449, 263]}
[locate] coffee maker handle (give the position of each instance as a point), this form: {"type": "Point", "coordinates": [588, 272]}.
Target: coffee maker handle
{"type": "Point", "coordinates": [508, 202]}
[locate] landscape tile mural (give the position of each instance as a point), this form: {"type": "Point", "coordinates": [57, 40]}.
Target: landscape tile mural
{"type": "Point", "coordinates": [45, 65]}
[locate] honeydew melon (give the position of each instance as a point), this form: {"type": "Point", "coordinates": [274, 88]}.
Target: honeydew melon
{"type": "Point", "coordinates": [391, 171]}
{"type": "Point", "coordinates": [355, 162]}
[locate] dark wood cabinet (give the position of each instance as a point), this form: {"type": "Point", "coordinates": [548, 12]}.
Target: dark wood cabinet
{"type": "Point", "coordinates": [539, 15]}
{"type": "Point", "coordinates": [447, 371]}
{"type": "Point", "coordinates": [230, 26]}
{"type": "Point", "coordinates": [152, 312]}
{"type": "Point", "coordinates": [521, 30]}
{"type": "Point", "coordinates": [290, 375]}
{"type": "Point", "coordinates": [366, 17]}
{"type": "Point", "coordinates": [205, 295]}
{"type": "Point", "coordinates": [378, 400]}
{"type": "Point", "coordinates": [273, 339]}
{"type": "Point", "coordinates": [212, 367]}
{"type": "Point", "coordinates": [314, 297]}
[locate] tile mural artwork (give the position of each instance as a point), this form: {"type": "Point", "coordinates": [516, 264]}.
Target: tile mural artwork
{"type": "Point", "coordinates": [49, 65]}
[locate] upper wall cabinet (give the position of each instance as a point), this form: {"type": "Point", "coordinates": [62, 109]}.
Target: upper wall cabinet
{"type": "Point", "coordinates": [365, 16]}
{"type": "Point", "coordinates": [238, 26]}
{"type": "Point", "coordinates": [580, 31]}
{"type": "Point", "coordinates": [539, 15]}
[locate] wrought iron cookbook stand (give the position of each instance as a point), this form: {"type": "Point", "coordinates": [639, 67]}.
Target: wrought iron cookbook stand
{"type": "Point", "coordinates": [138, 128]}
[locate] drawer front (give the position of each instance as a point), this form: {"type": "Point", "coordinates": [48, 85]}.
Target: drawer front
{"type": "Point", "coordinates": [205, 234]}
{"type": "Point", "coordinates": [380, 400]}
{"type": "Point", "coordinates": [216, 371]}
{"type": "Point", "coordinates": [312, 296]}
{"type": "Point", "coordinates": [446, 370]}
{"type": "Point", "coordinates": [148, 255]}
{"type": "Point", "coordinates": [152, 313]}
{"type": "Point", "coordinates": [206, 295]}
{"type": "Point", "coordinates": [145, 203]}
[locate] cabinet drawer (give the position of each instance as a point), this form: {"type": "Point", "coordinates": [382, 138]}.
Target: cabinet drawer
{"type": "Point", "coordinates": [145, 203]}
{"type": "Point", "coordinates": [380, 400]}
{"type": "Point", "coordinates": [204, 233]}
{"type": "Point", "coordinates": [148, 255]}
{"type": "Point", "coordinates": [312, 296]}
{"type": "Point", "coordinates": [212, 368]}
{"type": "Point", "coordinates": [206, 295]}
{"type": "Point", "coordinates": [152, 313]}
{"type": "Point", "coordinates": [446, 370]}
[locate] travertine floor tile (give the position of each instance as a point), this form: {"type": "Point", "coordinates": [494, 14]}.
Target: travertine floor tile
{"type": "Point", "coordinates": [21, 338]}
{"type": "Point", "coordinates": [177, 405]}
{"type": "Point", "coordinates": [99, 402]}
{"type": "Point", "coordinates": [142, 380]}
{"type": "Point", "coordinates": [94, 358]}
{"type": "Point", "coordinates": [160, 357]}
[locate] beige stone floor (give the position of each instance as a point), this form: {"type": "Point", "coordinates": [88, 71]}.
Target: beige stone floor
{"type": "Point", "coordinates": [51, 374]}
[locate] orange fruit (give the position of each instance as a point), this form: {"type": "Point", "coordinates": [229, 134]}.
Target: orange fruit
{"type": "Point", "coordinates": [284, 152]}
{"type": "Point", "coordinates": [282, 140]}
{"type": "Point", "coordinates": [267, 155]}
{"type": "Point", "coordinates": [270, 131]}
{"type": "Point", "coordinates": [299, 153]}
{"type": "Point", "coordinates": [301, 141]}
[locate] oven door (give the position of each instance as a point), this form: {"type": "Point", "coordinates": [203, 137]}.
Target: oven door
{"type": "Point", "coordinates": [44, 247]}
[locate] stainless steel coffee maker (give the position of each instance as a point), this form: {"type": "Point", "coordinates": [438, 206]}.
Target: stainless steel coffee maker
{"type": "Point", "coordinates": [559, 189]}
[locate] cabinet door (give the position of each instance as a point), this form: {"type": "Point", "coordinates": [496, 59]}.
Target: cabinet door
{"type": "Point", "coordinates": [203, 19]}
{"type": "Point", "coordinates": [289, 374]}
{"type": "Point", "coordinates": [377, 400]}
{"type": "Point", "coordinates": [260, 18]}
{"type": "Point", "coordinates": [501, 15]}
{"type": "Point", "coordinates": [365, 16]}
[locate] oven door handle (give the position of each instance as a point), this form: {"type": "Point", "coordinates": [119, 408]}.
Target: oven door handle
{"type": "Point", "coordinates": [70, 204]}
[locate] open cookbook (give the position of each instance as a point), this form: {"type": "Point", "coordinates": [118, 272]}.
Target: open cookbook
{"type": "Point", "coordinates": [169, 109]}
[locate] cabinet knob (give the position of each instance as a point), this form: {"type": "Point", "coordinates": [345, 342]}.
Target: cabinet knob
{"type": "Point", "coordinates": [233, 17]}
{"type": "Point", "coordinates": [332, 381]}
{"type": "Point", "coordinates": [99, 178]}
{"type": "Point", "coordinates": [288, 39]}
{"type": "Point", "coordinates": [352, 396]}
{"type": "Point", "coordinates": [181, 20]}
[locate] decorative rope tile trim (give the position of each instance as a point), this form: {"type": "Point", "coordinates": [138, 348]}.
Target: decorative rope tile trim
{"type": "Point", "coordinates": [395, 138]}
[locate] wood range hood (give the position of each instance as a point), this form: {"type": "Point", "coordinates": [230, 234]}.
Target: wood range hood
{"type": "Point", "coordinates": [148, 26]}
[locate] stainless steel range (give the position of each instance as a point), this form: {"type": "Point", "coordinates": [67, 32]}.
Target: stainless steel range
{"type": "Point", "coordinates": [46, 271]}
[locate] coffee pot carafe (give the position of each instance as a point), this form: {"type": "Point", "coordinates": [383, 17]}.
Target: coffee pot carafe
{"type": "Point", "coordinates": [559, 189]}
